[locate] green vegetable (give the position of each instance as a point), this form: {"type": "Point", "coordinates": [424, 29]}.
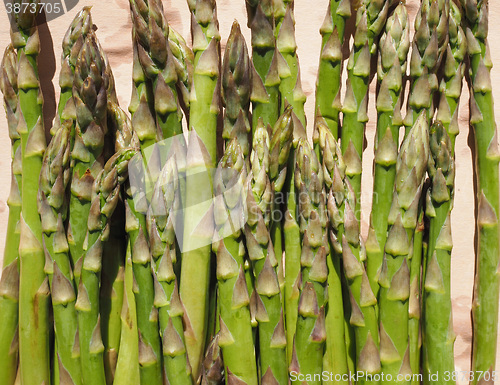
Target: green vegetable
{"type": "Point", "coordinates": [438, 335]}
{"type": "Point", "coordinates": [329, 79]}
{"type": "Point", "coordinates": [34, 344]}
{"type": "Point", "coordinates": [346, 239]}
{"type": "Point", "coordinates": [235, 338]}
{"type": "Point", "coordinates": [72, 44]}
{"type": "Point", "coordinates": [105, 197]}
{"type": "Point", "coordinates": [428, 49]}
{"type": "Point", "coordinates": [310, 335]}
{"type": "Point", "coordinates": [162, 217]}
{"type": "Point", "coordinates": [370, 21]}
{"type": "Point", "coordinates": [332, 162]}
{"type": "Point", "coordinates": [203, 115]}
{"type": "Point", "coordinates": [266, 77]}
{"type": "Point", "coordinates": [394, 277]}
{"type": "Point", "coordinates": [454, 70]}
{"type": "Point", "coordinates": [290, 85]}
{"type": "Point", "coordinates": [153, 51]}
{"type": "Point", "coordinates": [9, 283]}
{"type": "Point", "coordinates": [52, 206]}
{"type": "Point", "coordinates": [482, 119]}
{"type": "Point", "coordinates": [127, 365]}
{"type": "Point", "coordinates": [236, 89]}
{"type": "Point", "coordinates": [269, 314]}
{"type": "Point", "coordinates": [392, 61]}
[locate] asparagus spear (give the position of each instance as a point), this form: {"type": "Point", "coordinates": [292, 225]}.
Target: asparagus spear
{"type": "Point", "coordinates": [120, 335]}
{"type": "Point", "coordinates": [347, 240]}
{"type": "Point", "coordinates": [290, 85]}
{"type": "Point", "coordinates": [270, 317]}
{"type": "Point", "coordinates": [454, 70]}
{"type": "Point", "coordinates": [266, 78]}
{"type": "Point", "coordinates": [370, 20]}
{"type": "Point", "coordinates": [34, 356]}
{"type": "Point", "coordinates": [105, 197]}
{"type": "Point", "coordinates": [236, 88]}
{"type": "Point", "coordinates": [204, 109]}
{"type": "Point", "coordinates": [335, 358]}
{"type": "Point", "coordinates": [392, 61]}
{"type": "Point", "coordinates": [114, 257]}
{"type": "Point", "coordinates": [127, 365]}
{"type": "Point", "coordinates": [235, 339]}
{"type": "Point", "coordinates": [90, 89]}
{"type": "Point", "coordinates": [394, 277]}
{"type": "Point", "coordinates": [281, 141]}
{"type": "Point", "coordinates": [428, 49]}
{"type": "Point", "coordinates": [330, 65]}
{"type": "Point", "coordinates": [52, 206]}
{"type": "Point", "coordinates": [485, 302]}
{"type": "Point", "coordinates": [71, 46]}
{"type": "Point", "coordinates": [162, 215]}
{"type": "Point", "coordinates": [310, 336]}
{"type": "Point", "coordinates": [291, 94]}
{"type": "Point", "coordinates": [9, 283]}
{"type": "Point", "coordinates": [156, 60]}
{"type": "Point", "coordinates": [153, 50]}
{"type": "Point", "coordinates": [438, 335]}
{"type": "Point", "coordinates": [183, 58]}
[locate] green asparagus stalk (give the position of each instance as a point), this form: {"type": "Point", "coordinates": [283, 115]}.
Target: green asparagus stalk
{"type": "Point", "coordinates": [90, 88]}
{"type": "Point", "coordinates": [236, 89]}
{"type": "Point", "coordinates": [147, 315]}
{"type": "Point", "coordinates": [291, 95]}
{"type": "Point", "coordinates": [121, 344]}
{"type": "Point", "coordinates": [346, 239]}
{"type": "Point", "coordinates": [53, 206]}
{"type": "Point", "coordinates": [157, 63]}
{"type": "Point", "coordinates": [265, 57]}
{"type": "Point", "coordinates": [280, 147]}
{"type": "Point", "coordinates": [454, 70]}
{"type": "Point", "coordinates": [485, 298]}
{"type": "Point", "coordinates": [438, 335]}
{"type": "Point", "coordinates": [71, 46]}
{"type": "Point", "coordinates": [394, 277]}
{"type": "Point", "coordinates": [269, 314]}
{"type": "Point", "coordinates": [335, 357]}
{"type": "Point", "coordinates": [153, 50]}
{"type": "Point", "coordinates": [162, 215]}
{"type": "Point", "coordinates": [203, 115]}
{"type": "Point", "coordinates": [370, 21]}
{"type": "Point", "coordinates": [183, 58]}
{"type": "Point", "coordinates": [290, 85]}
{"type": "Point", "coordinates": [415, 299]}
{"type": "Point", "coordinates": [105, 197]}
{"type": "Point", "coordinates": [236, 338]}
{"type": "Point", "coordinates": [34, 355]}
{"type": "Point", "coordinates": [428, 49]}
{"type": "Point", "coordinates": [392, 62]}
{"type": "Point", "coordinates": [329, 79]}
{"type": "Point", "coordinates": [113, 270]}
{"type": "Point", "coordinates": [127, 365]}
{"type": "Point", "coordinates": [310, 335]}
{"type": "Point", "coordinates": [9, 283]}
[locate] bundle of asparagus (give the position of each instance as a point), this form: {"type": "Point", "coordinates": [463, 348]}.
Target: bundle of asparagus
{"type": "Point", "coordinates": [233, 253]}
